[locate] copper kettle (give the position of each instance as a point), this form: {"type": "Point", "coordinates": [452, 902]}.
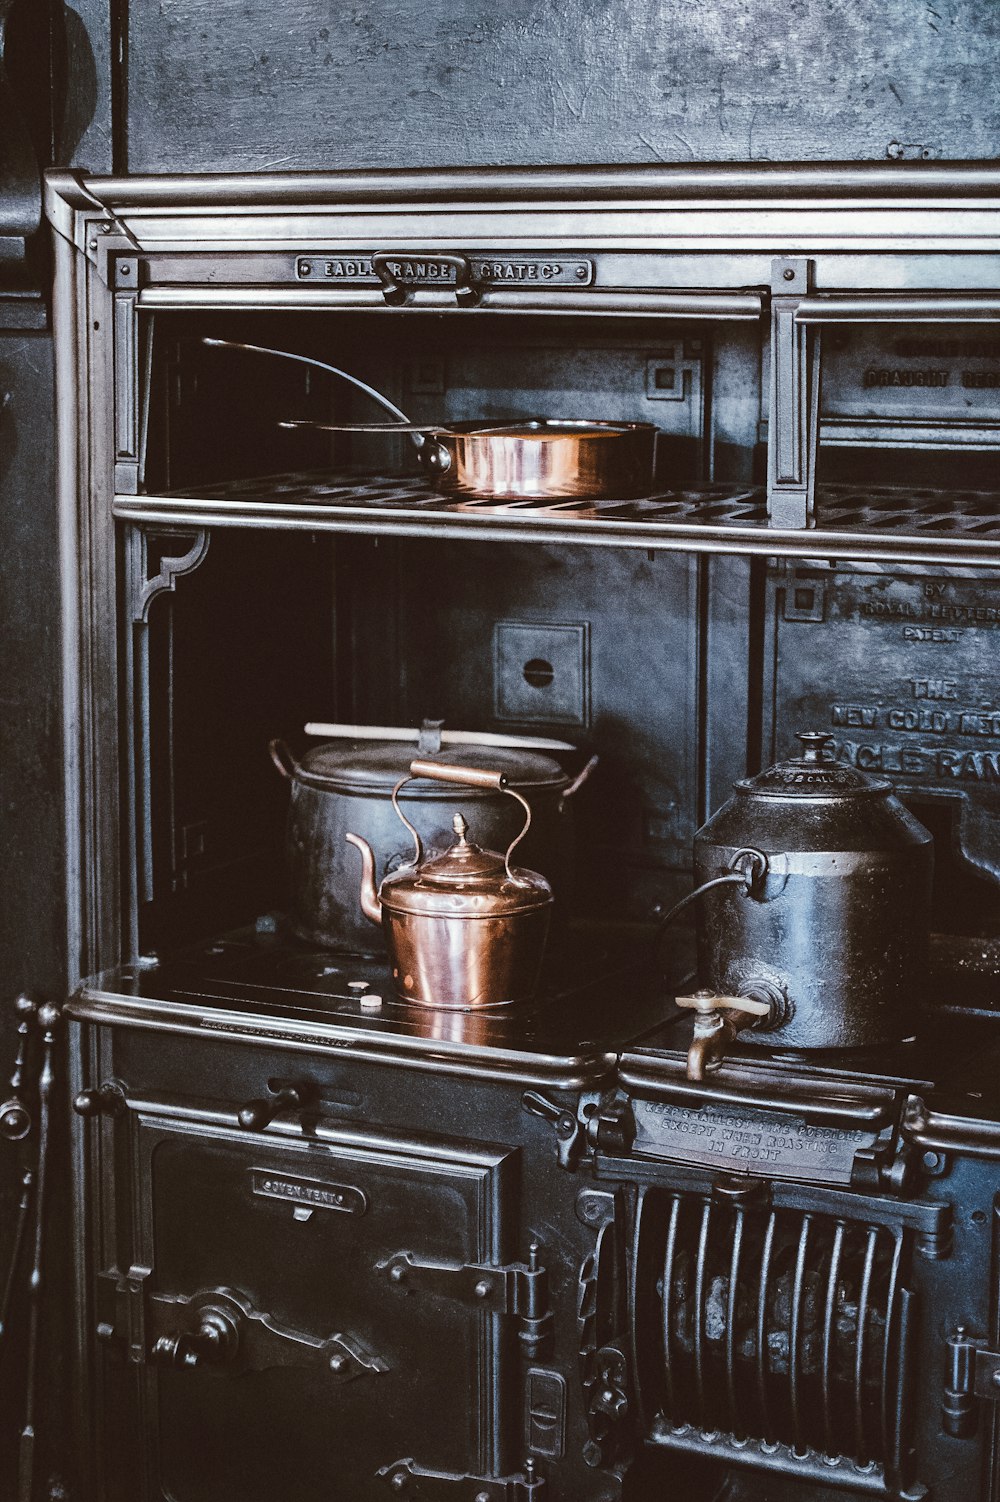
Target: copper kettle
{"type": "Point", "coordinates": [464, 929]}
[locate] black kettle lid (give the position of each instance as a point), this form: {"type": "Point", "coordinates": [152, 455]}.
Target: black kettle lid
{"type": "Point", "coordinates": [813, 774]}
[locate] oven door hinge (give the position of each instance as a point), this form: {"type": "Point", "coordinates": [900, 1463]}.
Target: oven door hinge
{"type": "Point", "coordinates": [972, 1371]}
{"type": "Point", "coordinates": [519, 1288]}
{"type": "Point", "coordinates": [409, 1480]}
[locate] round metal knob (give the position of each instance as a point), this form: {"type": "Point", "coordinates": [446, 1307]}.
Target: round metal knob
{"type": "Point", "coordinates": [814, 744]}
{"type": "Point", "coordinates": [15, 1120]}
{"type": "Point", "coordinates": [107, 1100]}
{"type": "Point", "coordinates": [214, 1342]}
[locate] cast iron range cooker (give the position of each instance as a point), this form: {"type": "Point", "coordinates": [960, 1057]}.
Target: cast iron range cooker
{"type": "Point", "coordinates": [786, 1268]}
{"type": "Point", "coordinates": [330, 1246]}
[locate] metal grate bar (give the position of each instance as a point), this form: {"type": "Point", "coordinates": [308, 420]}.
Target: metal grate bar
{"type": "Point", "coordinates": [700, 1279]}
{"type": "Point", "coordinates": [735, 1421]}
{"type": "Point", "coordinates": [763, 1295]}
{"type": "Point", "coordinates": [669, 1254]}
{"type": "Point", "coordinates": [795, 1333]}
{"type": "Point", "coordinates": [783, 1328]}
{"type": "Point", "coordinates": [891, 1315]}
{"type": "Point", "coordinates": [864, 1299]}
{"type": "Point", "coordinates": [829, 1314]}
{"type": "Point", "coordinates": [632, 1296]}
{"type": "Point", "coordinates": [894, 1452]}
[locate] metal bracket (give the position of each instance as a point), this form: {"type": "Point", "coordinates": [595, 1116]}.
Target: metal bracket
{"type": "Point", "coordinates": [972, 1371]}
{"type": "Point", "coordinates": [793, 418]}
{"type": "Point", "coordinates": [520, 1289]}
{"type": "Point", "coordinates": [105, 240]}
{"type": "Point", "coordinates": [604, 1374]}
{"type": "Point", "coordinates": [570, 1138]}
{"type": "Point", "coordinates": [612, 1128]}
{"type": "Point", "coordinates": [143, 590]}
{"type": "Point", "coordinates": [407, 1479]}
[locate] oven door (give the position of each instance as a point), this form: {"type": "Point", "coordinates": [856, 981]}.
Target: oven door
{"type": "Point", "coordinates": [296, 1309]}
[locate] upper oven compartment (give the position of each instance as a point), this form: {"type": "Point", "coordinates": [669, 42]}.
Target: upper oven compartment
{"type": "Point", "coordinates": [774, 260]}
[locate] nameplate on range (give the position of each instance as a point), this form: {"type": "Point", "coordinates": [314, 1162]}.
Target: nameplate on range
{"type": "Point", "coordinates": [354, 268]}
{"type": "Point", "coordinates": [271, 1185]}
{"type": "Point", "coordinates": [760, 1142]}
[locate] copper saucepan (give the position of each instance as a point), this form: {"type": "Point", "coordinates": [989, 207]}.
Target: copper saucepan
{"type": "Point", "coordinates": [531, 459]}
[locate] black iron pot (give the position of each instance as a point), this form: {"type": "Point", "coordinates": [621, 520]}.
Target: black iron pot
{"type": "Point", "coordinates": [345, 786]}
{"type": "Point", "coordinates": [828, 930]}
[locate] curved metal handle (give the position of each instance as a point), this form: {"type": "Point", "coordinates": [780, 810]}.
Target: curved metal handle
{"type": "Point", "coordinates": [476, 777]}
{"type": "Point", "coordinates": [284, 1095]}
{"type": "Point", "coordinates": [386, 266]}
{"type": "Point", "coordinates": [472, 777]}
{"type": "Point", "coordinates": [402, 424]}
{"type": "Point", "coordinates": [283, 759]}
{"type": "Point", "coordinates": [578, 781]}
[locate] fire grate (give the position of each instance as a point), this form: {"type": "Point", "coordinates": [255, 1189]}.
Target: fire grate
{"type": "Point", "coordinates": [775, 1328]}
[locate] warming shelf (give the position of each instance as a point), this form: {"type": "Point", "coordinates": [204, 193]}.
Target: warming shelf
{"type": "Point", "coordinates": [899, 523]}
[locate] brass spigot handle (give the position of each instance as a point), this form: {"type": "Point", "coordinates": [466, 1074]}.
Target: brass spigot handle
{"type": "Point", "coordinates": [717, 1020]}
{"type": "Point", "coordinates": [705, 1003]}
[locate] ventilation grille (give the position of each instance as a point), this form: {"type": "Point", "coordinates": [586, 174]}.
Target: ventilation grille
{"type": "Point", "coordinates": [777, 1326]}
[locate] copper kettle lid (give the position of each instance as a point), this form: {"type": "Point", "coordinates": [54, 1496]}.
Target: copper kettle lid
{"type": "Point", "coordinates": [464, 881]}
{"type": "Point", "coordinates": [813, 775]}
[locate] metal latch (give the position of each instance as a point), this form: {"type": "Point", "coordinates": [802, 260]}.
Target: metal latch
{"type": "Point", "coordinates": [407, 1479]}
{"type": "Point", "coordinates": [519, 1288]}
{"type": "Point", "coordinates": [972, 1371]}
{"type": "Point", "coordinates": [220, 1327]}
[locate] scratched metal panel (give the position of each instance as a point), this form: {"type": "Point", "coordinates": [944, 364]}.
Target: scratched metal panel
{"type": "Point", "coordinates": [247, 84]}
{"type": "Point", "coordinates": [469, 623]}
{"type": "Point", "coordinates": [901, 670]}
{"type": "Point", "coordinates": [31, 914]}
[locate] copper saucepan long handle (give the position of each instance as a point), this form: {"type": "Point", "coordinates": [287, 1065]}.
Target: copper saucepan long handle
{"type": "Point", "coordinates": [401, 425]}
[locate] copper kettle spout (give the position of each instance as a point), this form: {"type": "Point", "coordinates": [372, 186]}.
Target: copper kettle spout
{"type": "Point", "coordinates": [370, 905]}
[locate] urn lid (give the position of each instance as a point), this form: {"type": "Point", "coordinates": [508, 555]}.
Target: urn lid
{"type": "Point", "coordinates": [464, 881]}
{"type": "Point", "coordinates": [814, 775]}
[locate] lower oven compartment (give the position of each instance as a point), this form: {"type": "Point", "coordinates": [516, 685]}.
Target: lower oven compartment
{"type": "Point", "coordinates": [282, 1332]}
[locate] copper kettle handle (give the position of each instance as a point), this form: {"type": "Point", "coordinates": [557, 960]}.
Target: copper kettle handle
{"type": "Point", "coordinates": [476, 777]}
